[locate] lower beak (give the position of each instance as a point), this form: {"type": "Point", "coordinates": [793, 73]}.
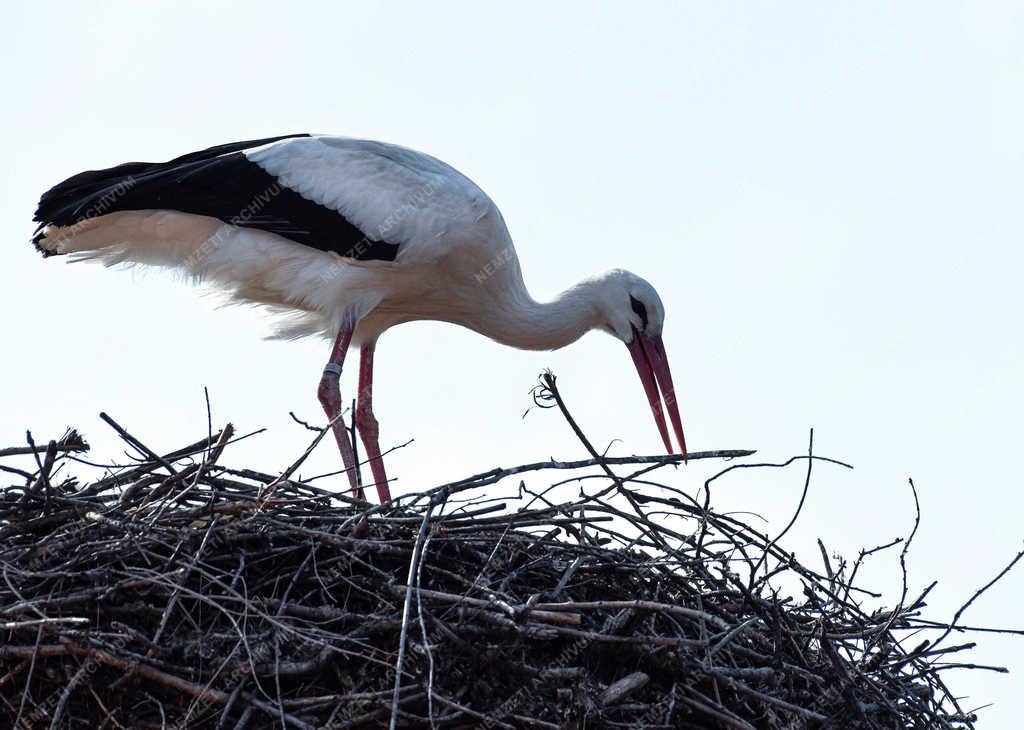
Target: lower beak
{"type": "Point", "coordinates": [652, 366]}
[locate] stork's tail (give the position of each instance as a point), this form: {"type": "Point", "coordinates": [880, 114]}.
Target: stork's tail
{"type": "Point", "coordinates": [154, 237]}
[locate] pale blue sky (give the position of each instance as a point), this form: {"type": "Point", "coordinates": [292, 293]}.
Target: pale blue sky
{"type": "Point", "coordinates": [828, 199]}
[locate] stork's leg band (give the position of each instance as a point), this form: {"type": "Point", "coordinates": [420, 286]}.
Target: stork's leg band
{"type": "Point", "coordinates": [333, 368]}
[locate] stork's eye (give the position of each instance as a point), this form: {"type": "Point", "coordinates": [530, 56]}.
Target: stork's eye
{"type": "Point", "coordinates": [641, 311]}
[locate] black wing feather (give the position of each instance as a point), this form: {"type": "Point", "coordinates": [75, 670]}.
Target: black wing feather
{"type": "Point", "coordinates": [219, 182]}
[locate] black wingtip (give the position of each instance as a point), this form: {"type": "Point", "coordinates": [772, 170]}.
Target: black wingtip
{"type": "Point", "coordinates": [37, 244]}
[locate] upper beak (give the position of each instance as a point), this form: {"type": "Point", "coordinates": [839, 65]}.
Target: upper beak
{"type": "Point", "coordinates": [652, 366]}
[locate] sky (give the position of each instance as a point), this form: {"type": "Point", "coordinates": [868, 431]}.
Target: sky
{"type": "Point", "coordinates": [827, 197]}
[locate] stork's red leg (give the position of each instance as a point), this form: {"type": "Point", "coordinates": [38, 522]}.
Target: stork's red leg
{"type": "Point", "coordinates": [367, 423]}
{"type": "Point", "coordinates": [329, 394]}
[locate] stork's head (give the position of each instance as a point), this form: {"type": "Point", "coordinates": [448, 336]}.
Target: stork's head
{"type": "Point", "coordinates": [632, 311]}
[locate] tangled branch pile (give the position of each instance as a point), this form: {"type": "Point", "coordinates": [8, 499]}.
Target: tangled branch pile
{"type": "Point", "coordinates": [177, 592]}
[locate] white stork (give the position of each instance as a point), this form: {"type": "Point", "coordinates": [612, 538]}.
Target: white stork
{"type": "Point", "coordinates": [349, 237]}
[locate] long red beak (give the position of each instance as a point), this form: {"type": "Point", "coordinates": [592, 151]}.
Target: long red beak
{"type": "Point", "coordinates": [652, 366]}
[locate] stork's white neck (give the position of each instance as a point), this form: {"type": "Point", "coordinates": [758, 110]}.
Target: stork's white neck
{"type": "Point", "coordinates": [518, 320]}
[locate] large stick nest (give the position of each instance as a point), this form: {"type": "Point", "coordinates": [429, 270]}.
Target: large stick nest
{"type": "Point", "coordinates": [177, 592]}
